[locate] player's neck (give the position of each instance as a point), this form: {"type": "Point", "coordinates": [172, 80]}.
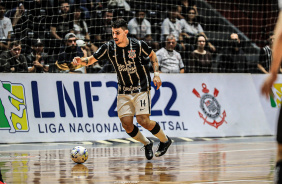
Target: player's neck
{"type": "Point", "coordinates": [124, 43]}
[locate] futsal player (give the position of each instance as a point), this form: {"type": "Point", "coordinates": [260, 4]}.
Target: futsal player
{"type": "Point", "coordinates": [134, 84]}
{"type": "Point", "coordinates": [266, 88]}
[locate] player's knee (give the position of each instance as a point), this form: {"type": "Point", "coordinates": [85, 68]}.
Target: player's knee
{"type": "Point", "coordinates": [144, 121]}
{"type": "Point", "coordinates": [127, 127]}
{"type": "Point", "coordinates": [127, 123]}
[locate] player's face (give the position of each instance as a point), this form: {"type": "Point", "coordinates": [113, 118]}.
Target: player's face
{"type": "Point", "coordinates": [16, 51]}
{"type": "Point", "coordinates": [119, 35]}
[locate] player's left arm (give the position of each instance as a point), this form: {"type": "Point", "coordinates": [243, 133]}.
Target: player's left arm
{"type": "Point", "coordinates": [154, 60]}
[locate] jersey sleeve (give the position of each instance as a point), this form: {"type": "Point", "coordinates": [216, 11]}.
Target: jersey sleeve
{"type": "Point", "coordinates": [145, 49]}
{"type": "Point", "coordinates": [280, 4]}
{"type": "Point", "coordinates": [101, 53]}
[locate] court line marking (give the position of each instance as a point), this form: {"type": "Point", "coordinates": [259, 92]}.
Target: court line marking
{"type": "Point", "coordinates": [104, 142]}
{"type": "Point", "coordinates": [131, 139]}
{"type": "Point", "coordinates": [119, 140]}
{"type": "Point", "coordinates": [186, 139]}
{"type": "Point", "coordinates": [232, 181]}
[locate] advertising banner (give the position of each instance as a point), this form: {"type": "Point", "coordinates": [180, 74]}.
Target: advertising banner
{"type": "Point", "coordinates": [271, 105]}
{"type": "Point", "coordinates": [72, 107]}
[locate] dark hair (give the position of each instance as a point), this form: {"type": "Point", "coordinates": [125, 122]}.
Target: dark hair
{"type": "Point", "coordinates": [120, 23]}
{"type": "Point", "coordinates": [172, 8]}
{"type": "Point", "coordinates": [196, 19]}
{"type": "Point", "coordinates": [62, 2]}
{"type": "Point", "coordinates": [2, 5]}
{"type": "Point", "coordinates": [14, 43]}
{"type": "Point", "coordinates": [197, 37]}
{"type": "Point", "coordinates": [105, 11]}
{"type": "Point", "coordinates": [140, 10]}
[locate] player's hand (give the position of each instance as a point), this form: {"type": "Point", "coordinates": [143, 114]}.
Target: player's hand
{"type": "Point", "coordinates": [268, 83]}
{"type": "Point", "coordinates": [157, 81]}
{"type": "Point", "coordinates": [76, 61]}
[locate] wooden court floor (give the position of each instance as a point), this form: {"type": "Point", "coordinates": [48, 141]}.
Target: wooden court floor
{"type": "Point", "coordinates": [248, 160]}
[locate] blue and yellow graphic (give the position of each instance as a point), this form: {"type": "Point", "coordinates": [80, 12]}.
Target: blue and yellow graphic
{"type": "Point", "coordinates": [13, 114]}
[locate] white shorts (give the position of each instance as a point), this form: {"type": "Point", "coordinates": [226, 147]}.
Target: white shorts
{"type": "Point", "coordinates": [133, 104]}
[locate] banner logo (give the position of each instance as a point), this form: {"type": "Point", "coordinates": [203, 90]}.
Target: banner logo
{"type": "Point", "coordinates": [275, 97]}
{"type": "Point", "coordinates": [210, 107]}
{"type": "Point", "coordinates": [13, 114]}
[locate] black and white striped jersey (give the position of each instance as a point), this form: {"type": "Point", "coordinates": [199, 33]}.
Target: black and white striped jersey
{"type": "Point", "coordinates": [131, 67]}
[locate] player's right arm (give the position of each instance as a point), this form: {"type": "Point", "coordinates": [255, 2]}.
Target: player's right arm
{"type": "Point", "coordinates": [86, 61]}
{"type": "Point", "coordinates": [277, 46]}
{"type": "Point", "coordinates": [101, 53]}
{"type": "Point", "coordinates": [276, 58]}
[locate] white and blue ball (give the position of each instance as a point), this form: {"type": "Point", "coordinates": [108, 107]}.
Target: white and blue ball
{"type": "Point", "coordinates": [79, 154]}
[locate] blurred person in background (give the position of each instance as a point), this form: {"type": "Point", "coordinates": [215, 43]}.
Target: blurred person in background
{"type": "Point", "coordinates": [5, 29]}
{"type": "Point", "coordinates": [38, 60]}
{"type": "Point", "coordinates": [265, 58]}
{"type": "Point", "coordinates": [66, 55]}
{"type": "Point", "coordinates": [60, 26]}
{"type": "Point", "coordinates": [102, 28]}
{"type": "Point", "coordinates": [12, 61]}
{"type": "Point", "coordinates": [233, 58]}
{"type": "Point", "coordinates": [184, 6]}
{"type": "Point", "coordinates": [170, 60]}
{"type": "Point", "coordinates": [200, 60]}
{"type": "Point", "coordinates": [81, 31]}
{"type": "Point", "coordinates": [171, 25]}
{"type": "Point", "coordinates": [192, 28]}
{"type": "Point", "coordinates": [140, 28]}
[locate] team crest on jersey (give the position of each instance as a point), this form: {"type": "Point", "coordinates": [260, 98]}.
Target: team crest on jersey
{"type": "Point", "coordinates": [210, 107]}
{"type": "Point", "coordinates": [132, 54]}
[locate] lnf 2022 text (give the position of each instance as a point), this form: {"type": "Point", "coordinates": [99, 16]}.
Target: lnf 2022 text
{"type": "Point", "coordinates": [75, 106]}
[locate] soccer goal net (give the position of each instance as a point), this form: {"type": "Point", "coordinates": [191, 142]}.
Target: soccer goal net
{"type": "Point", "coordinates": [252, 21]}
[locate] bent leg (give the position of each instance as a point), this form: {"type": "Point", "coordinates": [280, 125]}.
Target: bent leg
{"type": "Point", "coordinates": [152, 126]}
{"type": "Point", "coordinates": [127, 123]}
{"type": "Point", "coordinates": [132, 130]}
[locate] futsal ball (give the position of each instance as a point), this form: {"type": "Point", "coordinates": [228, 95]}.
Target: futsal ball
{"type": "Point", "coordinates": [79, 154]}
